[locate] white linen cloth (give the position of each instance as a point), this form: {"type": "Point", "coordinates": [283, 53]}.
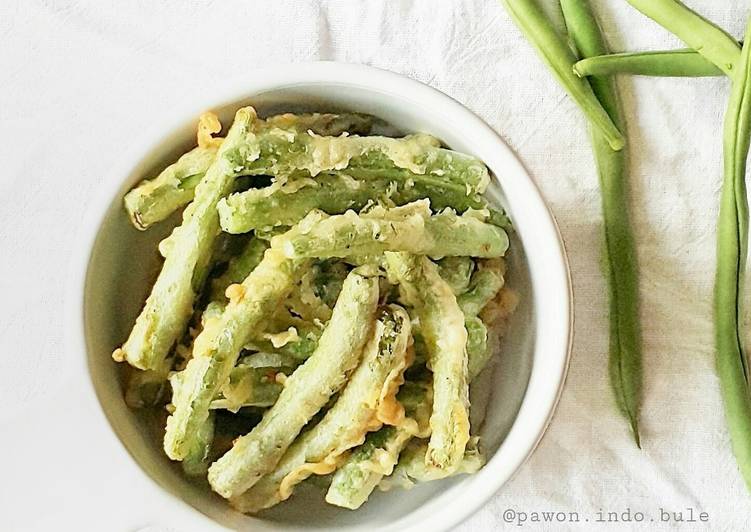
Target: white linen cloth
{"type": "Point", "coordinates": [81, 79]}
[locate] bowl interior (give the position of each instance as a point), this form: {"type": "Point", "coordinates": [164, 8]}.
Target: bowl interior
{"type": "Point", "coordinates": [124, 263]}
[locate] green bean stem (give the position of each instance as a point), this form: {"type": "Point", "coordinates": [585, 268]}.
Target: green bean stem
{"type": "Point", "coordinates": [620, 250]}
{"type": "Point", "coordinates": [666, 63]}
{"type": "Point", "coordinates": [556, 53]}
{"type": "Point", "coordinates": [732, 235]}
{"type": "Point", "coordinates": [697, 32]}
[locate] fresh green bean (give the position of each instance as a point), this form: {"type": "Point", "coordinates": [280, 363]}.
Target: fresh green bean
{"type": "Point", "coordinates": [620, 251]}
{"type": "Point", "coordinates": [218, 346]}
{"type": "Point", "coordinates": [334, 194]}
{"type": "Point", "coordinates": [732, 237]}
{"type": "Point", "coordinates": [410, 228]}
{"type": "Point", "coordinates": [697, 32]}
{"type": "Point", "coordinates": [669, 63]}
{"type": "Point", "coordinates": [305, 392]}
{"type": "Point", "coordinates": [556, 53]}
{"type": "Point", "coordinates": [355, 413]}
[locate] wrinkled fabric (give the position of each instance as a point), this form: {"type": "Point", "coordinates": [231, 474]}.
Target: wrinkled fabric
{"type": "Point", "coordinates": [82, 79]}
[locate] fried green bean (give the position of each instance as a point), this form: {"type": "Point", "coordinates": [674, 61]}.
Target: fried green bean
{"type": "Point", "coordinates": [484, 286]}
{"type": "Point", "coordinates": [364, 468]}
{"type": "Point", "coordinates": [457, 272]}
{"type": "Point", "coordinates": [168, 308]}
{"type": "Point", "coordinates": [442, 327]}
{"type": "Point", "coordinates": [255, 381]}
{"type": "Point", "coordinates": [334, 194]}
{"type": "Point", "coordinates": [147, 388]}
{"type": "Point", "coordinates": [196, 462]}
{"type": "Point", "coordinates": [668, 63]}
{"type": "Point", "coordinates": [620, 258]}
{"type": "Point", "coordinates": [732, 244]}
{"type": "Point", "coordinates": [410, 228]}
{"type": "Point", "coordinates": [153, 200]}
{"type": "Point", "coordinates": [478, 348]}
{"type": "Point", "coordinates": [238, 268]}
{"type": "Point", "coordinates": [299, 154]}
{"type": "Point", "coordinates": [305, 392]}
{"type": "Point", "coordinates": [557, 54]}
{"type": "Point", "coordinates": [355, 413]}
{"type": "Point", "coordinates": [412, 467]}
{"type": "Point", "coordinates": [217, 347]}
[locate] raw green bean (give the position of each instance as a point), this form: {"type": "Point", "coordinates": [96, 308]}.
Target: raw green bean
{"type": "Point", "coordinates": [334, 194]}
{"type": "Point", "coordinates": [668, 63]}
{"type": "Point", "coordinates": [697, 32]}
{"type": "Point", "coordinates": [732, 236]}
{"type": "Point", "coordinates": [620, 251]}
{"type": "Point", "coordinates": [218, 346]}
{"type": "Point", "coordinates": [305, 392]}
{"type": "Point", "coordinates": [556, 53]}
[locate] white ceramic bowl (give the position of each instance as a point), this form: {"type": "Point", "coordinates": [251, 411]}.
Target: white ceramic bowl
{"type": "Point", "coordinates": [111, 281]}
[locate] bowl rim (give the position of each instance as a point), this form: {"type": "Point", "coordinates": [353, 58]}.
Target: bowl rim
{"type": "Point", "coordinates": [550, 379]}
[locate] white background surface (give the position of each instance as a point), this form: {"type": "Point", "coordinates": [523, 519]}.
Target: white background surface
{"type": "Point", "coordinates": [80, 80]}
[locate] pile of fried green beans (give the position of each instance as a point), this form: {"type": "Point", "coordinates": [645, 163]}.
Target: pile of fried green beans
{"type": "Point", "coordinates": [711, 52]}
{"type": "Point", "coordinates": [322, 307]}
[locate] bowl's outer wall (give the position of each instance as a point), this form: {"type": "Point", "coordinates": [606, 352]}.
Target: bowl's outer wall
{"type": "Point", "coordinates": [124, 262]}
